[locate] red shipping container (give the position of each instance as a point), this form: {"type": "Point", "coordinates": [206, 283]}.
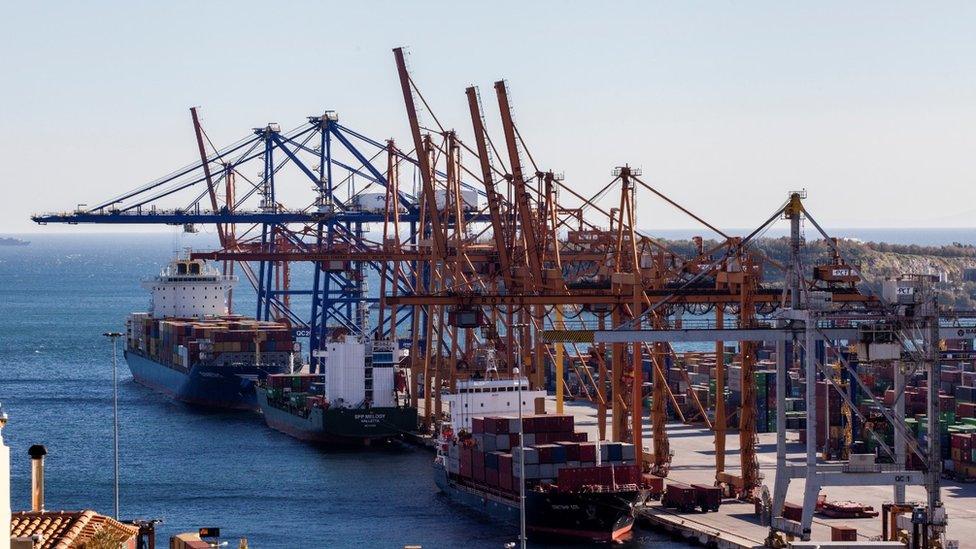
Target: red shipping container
{"type": "Point", "coordinates": [506, 481]}
{"type": "Point", "coordinates": [505, 462]}
{"type": "Point", "coordinates": [679, 496]}
{"type": "Point", "coordinates": [491, 477]}
{"type": "Point", "coordinates": [709, 497]}
{"type": "Point", "coordinates": [545, 452]}
{"type": "Point", "coordinates": [478, 425]}
{"type": "Point", "coordinates": [561, 436]}
{"type": "Point", "coordinates": [843, 533]}
{"type": "Point", "coordinates": [965, 409]}
{"type": "Point", "coordinates": [587, 451]}
{"type": "Point", "coordinates": [465, 469]}
{"type": "Point", "coordinates": [962, 441]}
{"type": "Point", "coordinates": [570, 479]}
{"type": "Point", "coordinates": [572, 450]}
{"type": "Point", "coordinates": [534, 424]}
{"type": "Point", "coordinates": [947, 403]}
{"type": "Point", "coordinates": [653, 483]}
{"type": "Point", "coordinates": [478, 462]}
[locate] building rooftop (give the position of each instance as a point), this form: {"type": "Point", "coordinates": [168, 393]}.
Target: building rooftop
{"type": "Point", "coordinates": [64, 529]}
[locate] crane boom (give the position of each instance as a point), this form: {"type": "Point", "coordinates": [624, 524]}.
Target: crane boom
{"type": "Point", "coordinates": [494, 204]}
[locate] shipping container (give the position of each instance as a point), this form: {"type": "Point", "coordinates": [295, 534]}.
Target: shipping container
{"type": "Point", "coordinates": [708, 497]}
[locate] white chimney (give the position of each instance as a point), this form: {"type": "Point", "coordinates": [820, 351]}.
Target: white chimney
{"type": "Point", "coordinates": [4, 486]}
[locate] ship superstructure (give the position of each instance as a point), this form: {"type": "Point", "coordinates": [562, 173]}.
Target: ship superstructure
{"type": "Point", "coordinates": [188, 345]}
{"type": "Point", "coordinates": [481, 398]}
{"type": "Point", "coordinates": [189, 288]}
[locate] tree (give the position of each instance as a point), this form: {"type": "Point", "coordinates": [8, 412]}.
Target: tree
{"type": "Point", "coordinates": [104, 538]}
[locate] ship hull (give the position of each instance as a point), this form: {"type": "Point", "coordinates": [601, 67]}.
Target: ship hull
{"type": "Point", "coordinates": [336, 426]}
{"type": "Point", "coordinates": [592, 518]}
{"type": "Point", "coordinates": [211, 387]}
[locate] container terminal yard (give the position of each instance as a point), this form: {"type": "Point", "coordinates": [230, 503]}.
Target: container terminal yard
{"type": "Point", "coordinates": [829, 410]}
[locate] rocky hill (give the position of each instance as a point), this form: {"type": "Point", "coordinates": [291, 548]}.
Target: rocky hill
{"type": "Point", "coordinates": [878, 260]}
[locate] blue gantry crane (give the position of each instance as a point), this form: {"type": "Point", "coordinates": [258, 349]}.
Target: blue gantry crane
{"type": "Point", "coordinates": [262, 234]}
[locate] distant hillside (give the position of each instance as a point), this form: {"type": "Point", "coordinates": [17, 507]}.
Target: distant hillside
{"type": "Point", "coordinates": [878, 260]}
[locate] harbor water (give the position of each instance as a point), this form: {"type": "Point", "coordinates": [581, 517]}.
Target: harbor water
{"type": "Point", "coordinates": [188, 467]}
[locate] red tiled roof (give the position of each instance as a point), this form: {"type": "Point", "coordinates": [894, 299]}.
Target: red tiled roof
{"type": "Point", "coordinates": [64, 529]}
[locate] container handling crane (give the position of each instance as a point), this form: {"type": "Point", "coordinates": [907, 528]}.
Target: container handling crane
{"type": "Point", "coordinates": [811, 316]}
{"type": "Point", "coordinates": [239, 189]}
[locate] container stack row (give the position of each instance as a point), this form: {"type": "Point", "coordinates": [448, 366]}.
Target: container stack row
{"type": "Point", "coordinates": [182, 342]}
{"type": "Point", "coordinates": [962, 454]}
{"type": "Point", "coordinates": [489, 455]}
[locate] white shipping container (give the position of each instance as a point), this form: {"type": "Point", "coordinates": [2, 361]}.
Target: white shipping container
{"type": "Point", "coordinates": [345, 372]}
{"type": "Point", "coordinates": [383, 387]}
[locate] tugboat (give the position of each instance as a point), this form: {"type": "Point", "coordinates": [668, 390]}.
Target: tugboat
{"type": "Point", "coordinates": [574, 490]}
{"type": "Point", "coordinates": [359, 400]}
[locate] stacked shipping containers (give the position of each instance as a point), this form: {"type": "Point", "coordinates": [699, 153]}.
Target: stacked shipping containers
{"type": "Point", "coordinates": [182, 342]}
{"type": "Point", "coordinates": [962, 454]}
{"type": "Point", "coordinates": [490, 456]}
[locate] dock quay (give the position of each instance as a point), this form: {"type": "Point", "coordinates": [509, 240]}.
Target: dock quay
{"type": "Point", "coordinates": [736, 525]}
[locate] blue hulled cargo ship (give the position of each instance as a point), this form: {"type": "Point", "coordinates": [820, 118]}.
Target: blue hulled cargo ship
{"type": "Point", "coordinates": [188, 346]}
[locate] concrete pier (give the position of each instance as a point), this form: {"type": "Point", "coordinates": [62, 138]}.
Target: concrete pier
{"type": "Point", "coordinates": [736, 525]}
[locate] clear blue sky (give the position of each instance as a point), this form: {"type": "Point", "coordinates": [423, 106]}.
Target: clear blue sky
{"type": "Point", "coordinates": [726, 106]}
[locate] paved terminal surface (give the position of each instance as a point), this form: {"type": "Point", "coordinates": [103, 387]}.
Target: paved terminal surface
{"type": "Point", "coordinates": [694, 462]}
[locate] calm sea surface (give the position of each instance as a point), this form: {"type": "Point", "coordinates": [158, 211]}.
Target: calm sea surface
{"type": "Point", "coordinates": [188, 467]}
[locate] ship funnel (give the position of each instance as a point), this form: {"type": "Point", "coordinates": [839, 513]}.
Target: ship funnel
{"type": "Point", "coordinates": [37, 453]}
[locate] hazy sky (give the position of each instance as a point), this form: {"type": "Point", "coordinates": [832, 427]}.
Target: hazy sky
{"type": "Point", "coordinates": [870, 106]}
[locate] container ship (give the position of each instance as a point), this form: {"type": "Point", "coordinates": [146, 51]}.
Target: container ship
{"type": "Point", "coordinates": [188, 346]}
{"type": "Point", "coordinates": [575, 490]}
{"type": "Point", "coordinates": [358, 399]}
